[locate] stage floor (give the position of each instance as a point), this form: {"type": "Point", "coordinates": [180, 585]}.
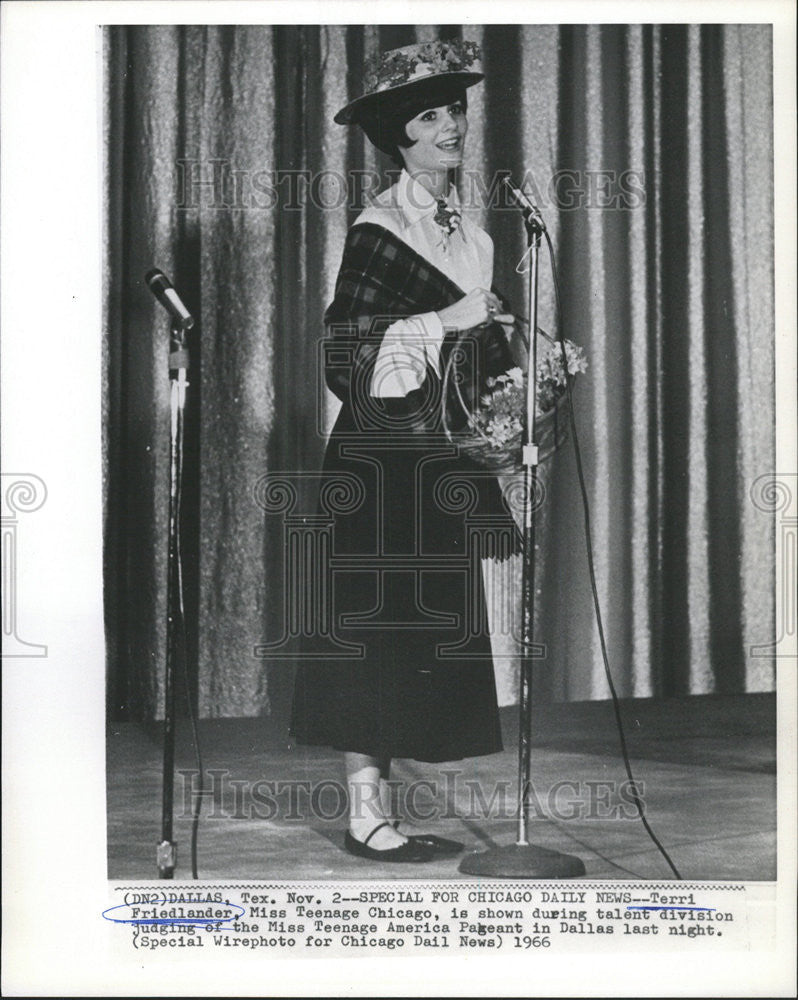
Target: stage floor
{"type": "Point", "coordinates": [707, 765]}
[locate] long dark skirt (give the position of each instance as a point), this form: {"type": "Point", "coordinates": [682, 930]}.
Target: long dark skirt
{"type": "Point", "coordinates": [408, 599]}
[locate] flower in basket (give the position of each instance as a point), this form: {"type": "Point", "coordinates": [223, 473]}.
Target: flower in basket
{"type": "Point", "coordinates": [500, 419]}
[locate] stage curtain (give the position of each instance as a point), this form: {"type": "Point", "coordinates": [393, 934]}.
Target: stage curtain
{"type": "Point", "coordinates": [649, 150]}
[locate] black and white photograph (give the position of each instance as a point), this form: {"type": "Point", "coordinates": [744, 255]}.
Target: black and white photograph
{"type": "Point", "coordinates": [343, 214]}
{"type": "Point", "coordinates": [442, 525]}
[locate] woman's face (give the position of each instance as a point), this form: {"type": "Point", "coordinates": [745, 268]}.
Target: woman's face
{"type": "Point", "coordinates": [439, 135]}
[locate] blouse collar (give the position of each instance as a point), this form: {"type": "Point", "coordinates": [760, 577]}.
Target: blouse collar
{"type": "Point", "coordinates": [416, 201]}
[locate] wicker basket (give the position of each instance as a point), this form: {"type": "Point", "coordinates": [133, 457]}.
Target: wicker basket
{"type": "Point", "coordinates": [551, 427]}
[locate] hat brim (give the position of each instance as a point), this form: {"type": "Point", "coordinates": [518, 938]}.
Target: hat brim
{"type": "Point", "coordinates": [371, 103]}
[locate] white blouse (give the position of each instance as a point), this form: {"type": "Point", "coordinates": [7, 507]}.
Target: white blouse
{"type": "Point", "coordinates": [410, 344]}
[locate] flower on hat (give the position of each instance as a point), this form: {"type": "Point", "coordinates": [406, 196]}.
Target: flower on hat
{"type": "Point", "coordinates": [413, 62]}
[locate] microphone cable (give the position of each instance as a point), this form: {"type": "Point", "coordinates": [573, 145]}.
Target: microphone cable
{"type": "Point", "coordinates": [196, 798]}
{"type": "Point", "coordinates": [196, 805]}
{"type": "Point", "coordinates": [592, 569]}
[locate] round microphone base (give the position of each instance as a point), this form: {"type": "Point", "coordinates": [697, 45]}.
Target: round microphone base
{"type": "Point", "coordinates": [516, 861]}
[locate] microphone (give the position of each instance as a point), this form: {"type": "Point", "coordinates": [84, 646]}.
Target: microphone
{"type": "Point", "coordinates": [163, 290]}
{"type": "Point", "coordinates": [531, 211]}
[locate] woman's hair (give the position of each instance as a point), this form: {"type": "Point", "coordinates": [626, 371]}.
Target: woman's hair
{"type": "Point", "coordinates": [385, 122]}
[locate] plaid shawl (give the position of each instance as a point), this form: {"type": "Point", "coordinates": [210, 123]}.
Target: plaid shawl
{"type": "Point", "coordinates": [382, 280]}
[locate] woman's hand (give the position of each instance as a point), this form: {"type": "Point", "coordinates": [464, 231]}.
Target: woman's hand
{"type": "Point", "coordinates": [475, 309]}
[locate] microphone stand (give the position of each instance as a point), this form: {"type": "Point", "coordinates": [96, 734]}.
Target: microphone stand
{"type": "Point", "coordinates": [166, 854]}
{"type": "Point", "coordinates": [522, 859]}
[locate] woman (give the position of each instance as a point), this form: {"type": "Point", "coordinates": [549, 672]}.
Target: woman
{"type": "Point", "coordinates": [415, 274]}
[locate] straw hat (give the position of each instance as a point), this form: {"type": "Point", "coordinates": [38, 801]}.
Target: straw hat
{"type": "Point", "coordinates": [395, 74]}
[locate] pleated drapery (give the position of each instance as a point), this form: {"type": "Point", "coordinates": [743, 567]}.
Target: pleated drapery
{"type": "Point", "coordinates": [649, 150]}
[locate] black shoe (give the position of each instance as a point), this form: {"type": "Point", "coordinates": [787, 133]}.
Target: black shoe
{"type": "Point", "coordinates": [410, 852]}
{"type": "Point", "coordinates": [440, 845]}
